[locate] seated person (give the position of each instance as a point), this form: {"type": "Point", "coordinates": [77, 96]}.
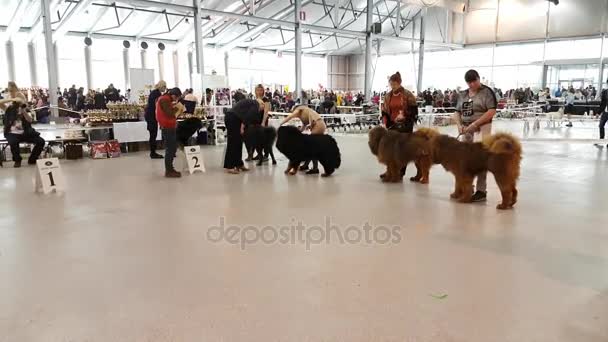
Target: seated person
{"type": "Point", "coordinates": [18, 129]}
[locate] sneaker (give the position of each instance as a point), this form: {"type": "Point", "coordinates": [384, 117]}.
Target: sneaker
{"type": "Point", "coordinates": [17, 164]}
{"type": "Point", "coordinates": [313, 172]}
{"type": "Point", "coordinates": [304, 168]}
{"type": "Point", "coordinates": [156, 156]}
{"type": "Point", "coordinates": [173, 174]}
{"type": "Point", "coordinates": [479, 196]}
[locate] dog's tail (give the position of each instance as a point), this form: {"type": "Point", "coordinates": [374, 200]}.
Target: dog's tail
{"type": "Point", "coordinates": [503, 143]}
{"type": "Point", "coordinates": [375, 136]}
{"type": "Point", "coordinates": [427, 133]}
{"type": "Point", "coordinates": [334, 152]}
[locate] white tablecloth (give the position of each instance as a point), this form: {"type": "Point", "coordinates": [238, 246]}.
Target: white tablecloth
{"type": "Point", "coordinates": [126, 132]}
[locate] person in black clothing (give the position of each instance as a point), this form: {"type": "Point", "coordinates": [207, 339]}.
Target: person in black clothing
{"type": "Point", "coordinates": [244, 112]}
{"type": "Point", "coordinates": [18, 129]}
{"type": "Point", "coordinates": [112, 94]}
{"type": "Point", "coordinates": [72, 97]}
{"type": "Point", "coordinates": [100, 100]}
{"type": "Point", "coordinates": [359, 100]}
{"type": "Point", "coordinates": [604, 114]}
{"type": "Point", "coordinates": [150, 116]}
{"type": "Point", "coordinates": [80, 99]}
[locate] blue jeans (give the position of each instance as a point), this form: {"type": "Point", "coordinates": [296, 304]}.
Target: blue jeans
{"type": "Point", "coordinates": [170, 140]}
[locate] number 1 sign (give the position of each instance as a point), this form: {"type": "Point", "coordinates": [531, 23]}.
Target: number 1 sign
{"type": "Point", "coordinates": [49, 176]}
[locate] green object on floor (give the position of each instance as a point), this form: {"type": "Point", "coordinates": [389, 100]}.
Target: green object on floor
{"type": "Point", "coordinates": [443, 296]}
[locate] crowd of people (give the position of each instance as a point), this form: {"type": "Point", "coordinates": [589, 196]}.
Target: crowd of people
{"type": "Point", "coordinates": [474, 110]}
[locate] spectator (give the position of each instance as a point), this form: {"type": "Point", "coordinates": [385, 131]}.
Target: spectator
{"type": "Point", "coordinates": [111, 94]}
{"type": "Point", "coordinates": [167, 110]}
{"type": "Point", "coordinates": [18, 129]}
{"type": "Point", "coordinates": [150, 116]}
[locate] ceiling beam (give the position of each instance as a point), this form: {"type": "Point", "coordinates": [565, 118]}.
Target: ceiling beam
{"type": "Point", "coordinates": [15, 22]}
{"type": "Point", "coordinates": [63, 26]}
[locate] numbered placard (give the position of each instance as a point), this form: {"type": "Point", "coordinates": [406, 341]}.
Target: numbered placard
{"type": "Point", "coordinates": [194, 157]}
{"type": "Point", "coordinates": [49, 176]}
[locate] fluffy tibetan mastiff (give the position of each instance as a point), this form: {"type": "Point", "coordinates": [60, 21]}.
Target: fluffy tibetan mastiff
{"type": "Point", "coordinates": [298, 147]}
{"type": "Point", "coordinates": [396, 150]}
{"type": "Point", "coordinates": [261, 139]}
{"type": "Point", "coordinates": [499, 153]}
{"type": "Point", "coordinates": [186, 129]}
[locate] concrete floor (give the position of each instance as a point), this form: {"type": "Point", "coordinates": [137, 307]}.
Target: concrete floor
{"type": "Point", "coordinates": [124, 255]}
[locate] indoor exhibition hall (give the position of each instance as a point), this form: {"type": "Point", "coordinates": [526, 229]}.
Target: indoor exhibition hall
{"type": "Point", "coordinates": [303, 170]}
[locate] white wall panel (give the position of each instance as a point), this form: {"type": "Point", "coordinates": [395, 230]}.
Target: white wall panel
{"type": "Point", "coordinates": [480, 21]}
{"type": "Point", "coordinates": [522, 19]}
{"type": "Point", "coordinates": [577, 18]}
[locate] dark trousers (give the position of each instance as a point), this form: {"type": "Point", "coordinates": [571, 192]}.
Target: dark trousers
{"type": "Point", "coordinates": [153, 129]}
{"type": "Point", "coordinates": [15, 139]}
{"type": "Point", "coordinates": [234, 142]}
{"type": "Point", "coordinates": [170, 140]}
{"type": "Point", "coordinates": [603, 120]}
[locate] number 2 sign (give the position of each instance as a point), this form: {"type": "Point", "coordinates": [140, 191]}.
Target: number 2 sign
{"type": "Point", "coordinates": [194, 158]}
{"type": "Point", "coordinates": [49, 177]}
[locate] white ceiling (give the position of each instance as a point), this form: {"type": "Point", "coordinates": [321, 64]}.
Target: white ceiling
{"type": "Point", "coordinates": [518, 20]}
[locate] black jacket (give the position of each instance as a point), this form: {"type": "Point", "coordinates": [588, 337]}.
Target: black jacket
{"type": "Point", "coordinates": [10, 116]}
{"type": "Point", "coordinates": [151, 107]}
{"type": "Point", "coordinates": [604, 102]}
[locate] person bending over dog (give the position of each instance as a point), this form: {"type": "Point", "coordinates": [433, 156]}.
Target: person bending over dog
{"type": "Point", "coordinates": [245, 112]}
{"type": "Point", "coordinates": [18, 128]}
{"type": "Point", "coordinates": [475, 110]}
{"type": "Point", "coordinates": [314, 121]}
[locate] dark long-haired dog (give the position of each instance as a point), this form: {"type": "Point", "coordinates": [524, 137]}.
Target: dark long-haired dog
{"type": "Point", "coordinates": [261, 139]}
{"type": "Point", "coordinates": [186, 129]}
{"type": "Point", "coordinates": [499, 153]}
{"type": "Point", "coordinates": [298, 147]}
{"type": "Point", "coordinates": [396, 150]}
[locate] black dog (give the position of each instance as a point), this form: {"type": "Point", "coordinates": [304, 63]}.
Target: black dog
{"type": "Point", "coordinates": [298, 147]}
{"type": "Point", "coordinates": [186, 129]}
{"type": "Point", "coordinates": [261, 139]}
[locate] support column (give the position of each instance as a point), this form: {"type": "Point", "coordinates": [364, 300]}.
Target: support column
{"type": "Point", "coordinates": [190, 68]}
{"type": "Point", "coordinates": [88, 67]}
{"type": "Point", "coordinates": [368, 51]}
{"type": "Point", "coordinates": [298, 43]}
{"type": "Point", "coordinates": [125, 68]}
{"type": "Point", "coordinates": [56, 62]}
{"type": "Point", "coordinates": [227, 67]}
{"type": "Point", "coordinates": [600, 80]}
{"type": "Point", "coordinates": [143, 59]}
{"type": "Point", "coordinates": [31, 54]}
{"type": "Point", "coordinates": [421, 52]}
{"type": "Point", "coordinates": [161, 65]}
{"type": "Point", "coordinates": [176, 68]}
{"type": "Point", "coordinates": [198, 42]}
{"type": "Point", "coordinates": [10, 60]}
{"type": "Point", "coordinates": [50, 54]}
